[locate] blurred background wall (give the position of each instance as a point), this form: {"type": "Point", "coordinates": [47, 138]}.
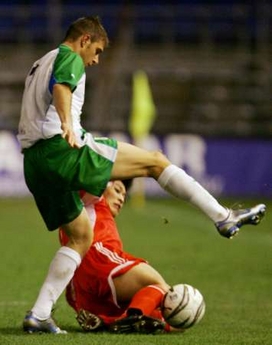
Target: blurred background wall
{"type": "Point", "coordinates": [208, 64]}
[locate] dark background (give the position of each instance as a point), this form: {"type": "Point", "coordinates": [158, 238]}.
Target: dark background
{"type": "Point", "coordinates": [208, 62]}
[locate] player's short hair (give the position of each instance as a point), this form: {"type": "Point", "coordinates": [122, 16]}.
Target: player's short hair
{"type": "Point", "coordinates": [127, 183]}
{"type": "Point", "coordinates": [87, 25]}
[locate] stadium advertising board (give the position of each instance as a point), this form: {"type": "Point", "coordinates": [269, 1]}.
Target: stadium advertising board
{"type": "Point", "coordinates": [226, 167]}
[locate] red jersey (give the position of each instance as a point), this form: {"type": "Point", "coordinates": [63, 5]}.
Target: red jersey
{"type": "Point", "coordinates": [92, 286]}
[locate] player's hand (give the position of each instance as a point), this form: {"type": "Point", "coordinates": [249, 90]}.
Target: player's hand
{"type": "Point", "coordinates": [82, 319]}
{"type": "Point", "coordinates": [69, 135]}
{"type": "Point", "coordinates": [89, 322]}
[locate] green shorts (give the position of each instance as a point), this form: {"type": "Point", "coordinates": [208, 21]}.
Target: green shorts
{"type": "Point", "coordinates": [55, 173]}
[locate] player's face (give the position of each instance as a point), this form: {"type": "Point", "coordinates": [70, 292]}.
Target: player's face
{"type": "Point", "coordinates": [115, 195]}
{"type": "Point", "coordinates": [91, 51]}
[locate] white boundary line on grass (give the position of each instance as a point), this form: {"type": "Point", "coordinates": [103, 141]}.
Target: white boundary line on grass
{"type": "Point", "coordinates": [12, 303]}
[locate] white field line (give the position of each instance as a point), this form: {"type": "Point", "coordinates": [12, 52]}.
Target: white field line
{"type": "Point", "coordinates": [13, 303]}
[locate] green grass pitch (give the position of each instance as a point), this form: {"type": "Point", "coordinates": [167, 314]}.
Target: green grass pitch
{"type": "Point", "coordinates": [235, 276]}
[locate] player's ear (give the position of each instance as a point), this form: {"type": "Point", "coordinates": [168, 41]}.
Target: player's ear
{"type": "Point", "coordinates": [84, 39]}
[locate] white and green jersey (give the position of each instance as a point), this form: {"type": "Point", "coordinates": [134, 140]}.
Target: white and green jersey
{"type": "Point", "coordinates": [39, 118]}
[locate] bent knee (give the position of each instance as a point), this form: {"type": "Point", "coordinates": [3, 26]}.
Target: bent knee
{"type": "Point", "coordinates": [80, 233]}
{"type": "Point", "coordinates": [161, 162]}
{"type": "Point", "coordinates": [81, 242]}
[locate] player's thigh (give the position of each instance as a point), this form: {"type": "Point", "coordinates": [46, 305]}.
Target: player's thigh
{"type": "Point", "coordinates": [135, 279]}
{"type": "Point", "coordinates": [132, 161]}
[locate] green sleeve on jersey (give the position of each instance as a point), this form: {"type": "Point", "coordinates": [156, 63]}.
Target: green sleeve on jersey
{"type": "Point", "coordinates": [68, 67]}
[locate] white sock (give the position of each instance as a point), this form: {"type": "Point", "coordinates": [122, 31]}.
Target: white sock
{"type": "Point", "coordinates": [60, 272]}
{"type": "Point", "coordinates": [175, 181]}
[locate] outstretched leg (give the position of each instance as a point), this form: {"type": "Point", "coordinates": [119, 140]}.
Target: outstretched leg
{"type": "Point", "coordinates": [133, 161]}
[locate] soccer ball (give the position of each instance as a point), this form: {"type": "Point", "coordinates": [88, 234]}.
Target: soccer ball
{"type": "Point", "coordinates": [183, 306]}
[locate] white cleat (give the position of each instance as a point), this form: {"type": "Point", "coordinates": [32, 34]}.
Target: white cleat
{"type": "Point", "coordinates": [33, 325]}
{"type": "Point", "coordinates": [237, 218]}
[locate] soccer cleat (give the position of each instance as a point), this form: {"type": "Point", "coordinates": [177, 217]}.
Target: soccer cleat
{"type": "Point", "coordinates": [33, 325]}
{"type": "Point", "coordinates": [237, 218]}
{"type": "Point", "coordinates": [125, 325]}
{"type": "Point", "coordinates": [137, 324]}
{"type": "Point", "coordinates": [90, 322]}
{"type": "Point", "coordinates": [150, 325]}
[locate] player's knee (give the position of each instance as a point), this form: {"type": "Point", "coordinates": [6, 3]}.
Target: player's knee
{"type": "Point", "coordinates": [85, 243]}
{"type": "Point", "coordinates": [162, 285]}
{"type": "Point", "coordinates": [161, 162]}
{"type": "Point", "coordinates": [81, 242]}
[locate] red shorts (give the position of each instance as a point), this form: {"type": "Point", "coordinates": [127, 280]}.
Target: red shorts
{"type": "Point", "coordinates": [92, 286]}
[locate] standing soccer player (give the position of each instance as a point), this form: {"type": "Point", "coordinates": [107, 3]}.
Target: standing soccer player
{"type": "Point", "coordinates": [60, 159]}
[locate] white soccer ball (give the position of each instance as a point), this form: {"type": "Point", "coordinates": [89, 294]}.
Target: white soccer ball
{"type": "Point", "coordinates": [183, 306]}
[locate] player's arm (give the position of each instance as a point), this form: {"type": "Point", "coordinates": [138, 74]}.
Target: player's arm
{"type": "Point", "coordinates": [68, 69]}
{"type": "Point", "coordinates": [62, 99]}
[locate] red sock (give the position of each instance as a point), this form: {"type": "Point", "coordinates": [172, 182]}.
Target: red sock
{"type": "Point", "coordinates": [146, 300]}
